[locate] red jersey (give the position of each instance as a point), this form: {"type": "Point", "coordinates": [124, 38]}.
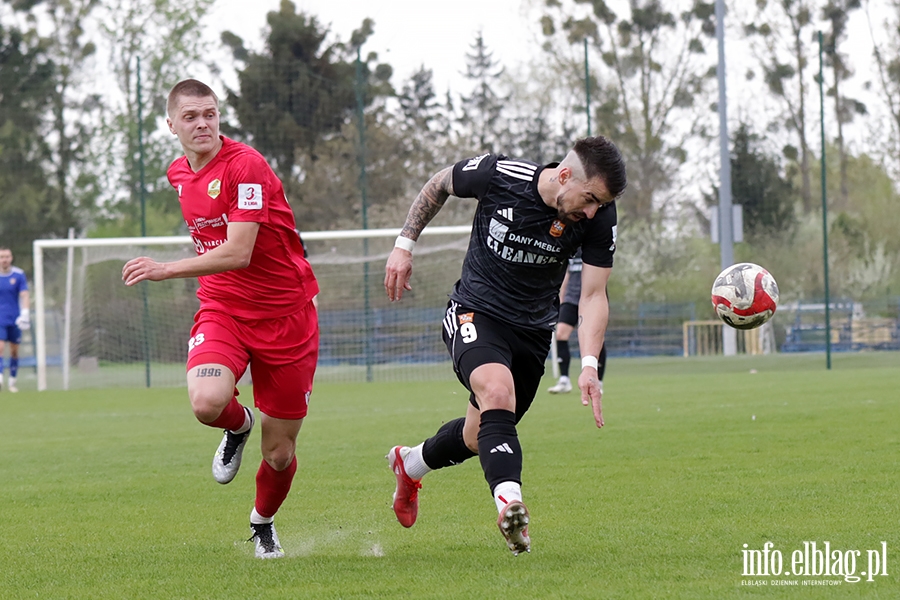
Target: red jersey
{"type": "Point", "coordinates": [240, 186]}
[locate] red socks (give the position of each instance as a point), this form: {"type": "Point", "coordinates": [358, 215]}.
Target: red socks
{"type": "Point", "coordinates": [272, 487]}
{"type": "Point", "coordinates": [231, 418]}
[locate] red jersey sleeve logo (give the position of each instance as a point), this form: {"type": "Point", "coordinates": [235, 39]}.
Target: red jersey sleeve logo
{"type": "Point", "coordinates": [250, 196]}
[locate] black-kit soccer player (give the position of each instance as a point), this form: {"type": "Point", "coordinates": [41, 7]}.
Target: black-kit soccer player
{"type": "Point", "coordinates": [529, 220]}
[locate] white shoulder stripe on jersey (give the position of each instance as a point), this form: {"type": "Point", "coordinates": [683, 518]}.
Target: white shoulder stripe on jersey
{"type": "Point", "coordinates": [517, 166]}
{"type": "Point", "coordinates": [514, 174]}
{"type": "Point", "coordinates": [518, 163]}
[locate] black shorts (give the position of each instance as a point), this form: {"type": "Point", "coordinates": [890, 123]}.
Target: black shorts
{"type": "Point", "coordinates": [568, 314]}
{"type": "Point", "coordinates": [475, 339]}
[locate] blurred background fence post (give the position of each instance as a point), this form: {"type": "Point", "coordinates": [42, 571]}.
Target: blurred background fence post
{"type": "Point", "coordinates": [361, 124]}
{"type": "Point", "coordinates": [824, 208]}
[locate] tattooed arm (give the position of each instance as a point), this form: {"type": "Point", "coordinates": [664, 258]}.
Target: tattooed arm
{"type": "Point", "coordinates": [427, 204]}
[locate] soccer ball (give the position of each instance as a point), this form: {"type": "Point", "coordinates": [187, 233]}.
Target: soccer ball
{"type": "Point", "coordinates": [745, 295]}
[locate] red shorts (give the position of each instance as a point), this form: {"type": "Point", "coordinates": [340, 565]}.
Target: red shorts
{"type": "Point", "coordinates": [282, 354]}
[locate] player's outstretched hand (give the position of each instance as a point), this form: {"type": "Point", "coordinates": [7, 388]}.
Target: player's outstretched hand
{"type": "Point", "coordinates": [591, 392]}
{"type": "Point", "coordinates": [139, 269]}
{"type": "Point", "coordinates": [397, 272]}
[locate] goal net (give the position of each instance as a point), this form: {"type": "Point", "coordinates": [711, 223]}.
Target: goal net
{"type": "Point", "coordinates": [93, 331]}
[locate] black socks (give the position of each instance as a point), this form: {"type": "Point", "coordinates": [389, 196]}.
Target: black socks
{"type": "Point", "coordinates": [446, 447]}
{"type": "Point", "coordinates": [498, 447]}
{"type": "Point", "coordinates": [563, 356]}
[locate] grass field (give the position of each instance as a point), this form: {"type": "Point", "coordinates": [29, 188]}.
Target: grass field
{"type": "Point", "coordinates": [108, 494]}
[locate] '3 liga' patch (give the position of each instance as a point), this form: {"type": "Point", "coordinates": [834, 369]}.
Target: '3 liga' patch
{"type": "Point", "coordinates": [250, 196]}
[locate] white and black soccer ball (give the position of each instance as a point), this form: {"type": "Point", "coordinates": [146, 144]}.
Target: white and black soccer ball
{"type": "Point", "coordinates": [745, 296]}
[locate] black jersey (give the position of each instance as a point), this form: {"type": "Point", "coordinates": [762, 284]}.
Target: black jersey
{"type": "Point", "coordinates": [519, 250]}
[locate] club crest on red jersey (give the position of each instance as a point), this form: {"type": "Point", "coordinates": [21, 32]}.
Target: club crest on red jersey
{"type": "Point", "coordinates": [214, 188]}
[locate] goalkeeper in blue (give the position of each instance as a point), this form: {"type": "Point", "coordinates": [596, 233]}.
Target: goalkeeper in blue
{"type": "Point", "coordinates": [14, 314]}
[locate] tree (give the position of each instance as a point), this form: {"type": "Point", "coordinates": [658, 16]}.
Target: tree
{"type": "Point", "coordinates": [419, 106]}
{"type": "Point", "coordinates": [482, 109]}
{"type": "Point", "coordinates": [165, 36]}
{"type": "Point", "coordinates": [26, 89]}
{"type": "Point", "coordinates": [73, 111]}
{"type": "Point", "coordinates": [650, 85]}
{"type": "Point", "coordinates": [887, 60]}
{"type": "Point", "coordinates": [864, 249]}
{"type": "Point", "coordinates": [424, 130]}
{"type": "Point", "coordinates": [446, 119]}
{"type": "Point", "coordinates": [419, 123]}
{"type": "Point", "coordinates": [757, 184]}
{"type": "Point", "coordinates": [785, 28]}
{"type": "Point", "coordinates": [837, 13]}
{"type": "Point", "coordinates": [297, 94]}
{"type": "Point", "coordinates": [543, 116]}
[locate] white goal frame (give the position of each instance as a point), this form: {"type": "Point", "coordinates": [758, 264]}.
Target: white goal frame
{"type": "Point", "coordinates": [70, 244]}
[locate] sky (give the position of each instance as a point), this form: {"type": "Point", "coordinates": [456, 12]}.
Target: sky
{"type": "Point", "coordinates": [438, 34]}
{"type": "Point", "coordinates": [408, 33]}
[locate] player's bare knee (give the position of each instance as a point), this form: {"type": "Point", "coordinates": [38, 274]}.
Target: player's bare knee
{"type": "Point", "coordinates": [496, 397]}
{"type": "Point", "coordinates": [280, 458]}
{"type": "Point", "coordinates": [207, 404]}
{"type": "Point", "coordinates": [206, 413]}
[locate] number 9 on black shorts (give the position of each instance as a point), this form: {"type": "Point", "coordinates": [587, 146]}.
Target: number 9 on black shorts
{"type": "Point", "coordinates": [475, 339]}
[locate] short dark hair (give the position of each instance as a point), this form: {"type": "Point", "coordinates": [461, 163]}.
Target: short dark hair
{"type": "Point", "coordinates": [600, 158]}
{"type": "Point", "coordinates": [191, 88]}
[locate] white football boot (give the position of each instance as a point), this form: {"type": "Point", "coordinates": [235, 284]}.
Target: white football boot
{"type": "Point", "coordinates": [227, 459]}
{"type": "Point", "coordinates": [267, 544]}
{"type": "Point", "coordinates": [563, 386]}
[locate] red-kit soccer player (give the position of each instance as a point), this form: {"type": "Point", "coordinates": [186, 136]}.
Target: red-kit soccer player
{"type": "Point", "coordinates": [256, 308]}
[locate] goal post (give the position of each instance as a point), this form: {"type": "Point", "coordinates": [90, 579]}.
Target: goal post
{"type": "Point", "coordinates": [41, 289]}
{"type": "Point", "coordinates": [93, 331]}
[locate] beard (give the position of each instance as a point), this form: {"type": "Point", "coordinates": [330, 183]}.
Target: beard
{"type": "Point", "coordinates": [566, 216]}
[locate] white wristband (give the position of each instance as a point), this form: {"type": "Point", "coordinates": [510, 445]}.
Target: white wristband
{"type": "Point", "coordinates": [405, 243]}
{"type": "Point", "coordinates": [589, 361]}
